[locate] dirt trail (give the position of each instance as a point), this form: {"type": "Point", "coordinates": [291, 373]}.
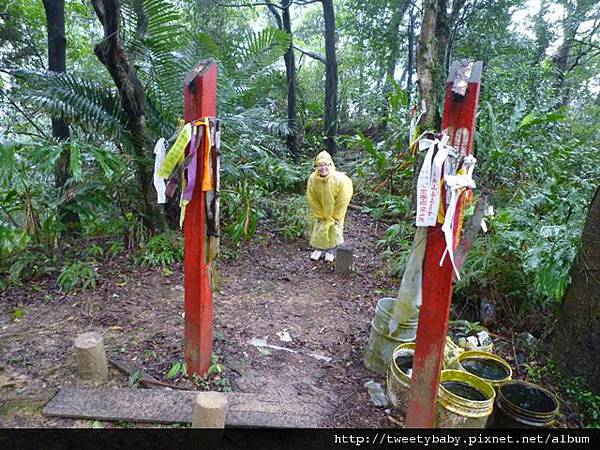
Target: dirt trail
{"type": "Point", "coordinates": [271, 287]}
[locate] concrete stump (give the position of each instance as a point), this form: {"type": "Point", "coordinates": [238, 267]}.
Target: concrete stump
{"type": "Point", "coordinates": [343, 260]}
{"type": "Point", "coordinates": [210, 410]}
{"type": "Point", "coordinates": [91, 357]}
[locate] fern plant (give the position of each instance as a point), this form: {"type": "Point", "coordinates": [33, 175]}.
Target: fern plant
{"type": "Point", "coordinates": [161, 250]}
{"type": "Point", "coordinates": [77, 275]}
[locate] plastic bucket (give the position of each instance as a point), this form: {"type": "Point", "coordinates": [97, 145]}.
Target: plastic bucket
{"type": "Point", "coordinates": [520, 404]}
{"type": "Point", "coordinates": [485, 365]}
{"type": "Point", "coordinates": [398, 381]}
{"type": "Point", "coordinates": [381, 342]}
{"type": "Point", "coordinates": [464, 400]}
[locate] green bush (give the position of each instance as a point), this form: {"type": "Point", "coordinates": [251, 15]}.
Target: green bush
{"type": "Point", "coordinates": [77, 275]}
{"type": "Point", "coordinates": [161, 250]}
{"type": "Point", "coordinates": [291, 216]}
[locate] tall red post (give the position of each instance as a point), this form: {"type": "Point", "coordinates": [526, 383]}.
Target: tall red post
{"type": "Point", "coordinates": [458, 122]}
{"type": "Point", "coordinates": [200, 100]}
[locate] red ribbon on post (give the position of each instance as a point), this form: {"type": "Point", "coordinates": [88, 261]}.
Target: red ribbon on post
{"type": "Point", "coordinates": [458, 122]}
{"type": "Point", "coordinates": [200, 100]}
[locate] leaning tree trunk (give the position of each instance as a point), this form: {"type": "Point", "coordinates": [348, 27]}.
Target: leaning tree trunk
{"type": "Point", "coordinates": [57, 62]}
{"type": "Point", "coordinates": [111, 52]}
{"type": "Point", "coordinates": [430, 67]}
{"type": "Point", "coordinates": [576, 342]}
{"type": "Point", "coordinates": [331, 77]}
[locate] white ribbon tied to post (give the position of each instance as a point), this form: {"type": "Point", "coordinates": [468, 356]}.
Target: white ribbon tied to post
{"type": "Point", "coordinates": [456, 184]}
{"type": "Point", "coordinates": [428, 183]}
{"type": "Point", "coordinates": [160, 150]}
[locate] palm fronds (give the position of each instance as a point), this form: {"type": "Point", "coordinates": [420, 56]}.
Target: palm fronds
{"type": "Point", "coordinates": [73, 98]}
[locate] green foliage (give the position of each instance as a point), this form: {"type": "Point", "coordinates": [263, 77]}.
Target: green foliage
{"type": "Point", "coordinates": [216, 378]}
{"type": "Point", "coordinates": [572, 389]}
{"type": "Point", "coordinates": [95, 251]}
{"type": "Point", "coordinates": [134, 379]}
{"type": "Point", "coordinates": [77, 275]}
{"type": "Point", "coordinates": [25, 265]}
{"type": "Point", "coordinates": [17, 314]}
{"type": "Point", "coordinates": [177, 369]}
{"type": "Point", "coordinates": [257, 178]}
{"type": "Point", "coordinates": [77, 99]}
{"type": "Point", "coordinates": [215, 367]}
{"type": "Point", "coordinates": [115, 247]}
{"type": "Point", "coordinates": [161, 250]}
{"type": "Point", "coordinates": [290, 216]}
{"type": "Point", "coordinates": [22, 264]}
{"type": "Point", "coordinates": [396, 245]}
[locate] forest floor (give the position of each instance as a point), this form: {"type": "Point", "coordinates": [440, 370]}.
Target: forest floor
{"type": "Point", "coordinates": [268, 288]}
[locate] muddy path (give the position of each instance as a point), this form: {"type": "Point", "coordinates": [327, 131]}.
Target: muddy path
{"type": "Point", "coordinates": [268, 291]}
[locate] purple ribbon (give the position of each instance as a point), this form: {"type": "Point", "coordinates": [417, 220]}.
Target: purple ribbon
{"type": "Point", "coordinates": [192, 166]}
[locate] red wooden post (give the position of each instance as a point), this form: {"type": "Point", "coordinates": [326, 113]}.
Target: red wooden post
{"type": "Point", "coordinates": [458, 122]}
{"type": "Point", "coordinates": [200, 100]}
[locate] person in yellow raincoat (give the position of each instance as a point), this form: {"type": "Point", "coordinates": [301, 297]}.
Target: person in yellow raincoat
{"type": "Point", "coordinates": [328, 193]}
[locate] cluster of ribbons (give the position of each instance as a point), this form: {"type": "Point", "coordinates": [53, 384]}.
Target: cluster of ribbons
{"type": "Point", "coordinates": [177, 168]}
{"type": "Point", "coordinates": [441, 166]}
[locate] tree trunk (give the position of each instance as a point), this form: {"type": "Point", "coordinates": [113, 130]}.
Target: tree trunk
{"type": "Point", "coordinates": [284, 23]}
{"type": "Point", "coordinates": [331, 77]}
{"type": "Point", "coordinates": [576, 14]}
{"type": "Point", "coordinates": [562, 67]}
{"type": "Point", "coordinates": [576, 343]}
{"type": "Point", "coordinates": [112, 54]}
{"type": "Point", "coordinates": [394, 40]}
{"type": "Point", "coordinates": [429, 69]}
{"type": "Point", "coordinates": [429, 65]}
{"type": "Point", "coordinates": [411, 50]}
{"type": "Point", "coordinates": [432, 61]}
{"type": "Point", "coordinates": [57, 62]}
{"type": "Point", "coordinates": [290, 73]}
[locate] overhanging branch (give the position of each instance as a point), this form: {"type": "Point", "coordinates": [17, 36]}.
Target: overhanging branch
{"type": "Point", "coordinates": [313, 55]}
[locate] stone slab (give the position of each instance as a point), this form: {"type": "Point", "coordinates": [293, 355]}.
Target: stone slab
{"type": "Point", "coordinates": [164, 406]}
{"type": "Point", "coordinates": [344, 258]}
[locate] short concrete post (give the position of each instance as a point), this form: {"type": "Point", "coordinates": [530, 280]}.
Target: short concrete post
{"type": "Point", "coordinates": [210, 410]}
{"type": "Point", "coordinates": [91, 357]}
{"type": "Point", "coordinates": [343, 260]}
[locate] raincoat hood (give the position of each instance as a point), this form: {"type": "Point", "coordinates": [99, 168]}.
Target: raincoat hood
{"type": "Point", "coordinates": [324, 157]}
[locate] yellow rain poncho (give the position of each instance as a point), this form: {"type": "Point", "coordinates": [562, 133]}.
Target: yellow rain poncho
{"type": "Point", "coordinates": [328, 197]}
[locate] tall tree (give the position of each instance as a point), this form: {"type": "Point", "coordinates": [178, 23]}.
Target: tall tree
{"type": "Point", "coordinates": [57, 62]}
{"type": "Point", "coordinates": [577, 332]}
{"type": "Point", "coordinates": [398, 11]}
{"type": "Point", "coordinates": [111, 52]}
{"type": "Point", "coordinates": [434, 54]}
{"type": "Point", "coordinates": [573, 51]}
{"type": "Point", "coordinates": [284, 23]}
{"type": "Point", "coordinates": [411, 49]}
{"type": "Point", "coordinates": [331, 77]}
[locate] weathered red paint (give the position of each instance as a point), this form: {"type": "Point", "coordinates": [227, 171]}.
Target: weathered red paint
{"type": "Point", "coordinates": [459, 115]}
{"type": "Point", "coordinates": [200, 100]}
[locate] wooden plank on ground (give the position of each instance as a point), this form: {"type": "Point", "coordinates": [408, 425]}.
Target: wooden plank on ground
{"type": "Point", "coordinates": [162, 406]}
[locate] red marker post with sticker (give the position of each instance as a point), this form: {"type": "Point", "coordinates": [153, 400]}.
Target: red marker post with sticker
{"type": "Point", "coordinates": [458, 122]}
